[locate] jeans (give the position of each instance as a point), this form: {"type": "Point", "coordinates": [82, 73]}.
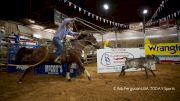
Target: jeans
{"type": "Point", "coordinates": [59, 46]}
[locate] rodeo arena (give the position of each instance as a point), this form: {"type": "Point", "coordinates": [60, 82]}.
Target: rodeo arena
{"type": "Point", "coordinates": [90, 50]}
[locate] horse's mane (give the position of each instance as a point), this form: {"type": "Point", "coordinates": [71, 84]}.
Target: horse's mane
{"type": "Point", "coordinates": [81, 36]}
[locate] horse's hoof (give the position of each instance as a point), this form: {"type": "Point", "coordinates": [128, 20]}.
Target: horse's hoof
{"type": "Point", "coordinates": [69, 80]}
{"type": "Point", "coordinates": [20, 82]}
{"type": "Point", "coordinates": [119, 75]}
{"type": "Point", "coordinates": [89, 78]}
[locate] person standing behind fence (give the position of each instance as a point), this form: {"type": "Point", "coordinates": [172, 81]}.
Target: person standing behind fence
{"type": "Point", "coordinates": [63, 30]}
{"type": "Point", "coordinates": [17, 39]}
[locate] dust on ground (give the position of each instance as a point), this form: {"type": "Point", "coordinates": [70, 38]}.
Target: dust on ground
{"type": "Point", "coordinates": [104, 87]}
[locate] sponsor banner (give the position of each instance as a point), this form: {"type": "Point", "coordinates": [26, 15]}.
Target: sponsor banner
{"type": "Point", "coordinates": [112, 59]}
{"type": "Point", "coordinates": [59, 69]}
{"type": "Point", "coordinates": [169, 58]}
{"type": "Point", "coordinates": [24, 29]}
{"type": "Point", "coordinates": [22, 67]}
{"type": "Point", "coordinates": [162, 49]}
{"type": "Point", "coordinates": [53, 69]}
{"type": "Point", "coordinates": [136, 26]}
{"type": "Point", "coordinates": [167, 23]}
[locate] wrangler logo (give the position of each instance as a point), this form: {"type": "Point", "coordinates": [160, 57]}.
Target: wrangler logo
{"type": "Point", "coordinates": [171, 49]}
{"type": "Point", "coordinates": [163, 49]}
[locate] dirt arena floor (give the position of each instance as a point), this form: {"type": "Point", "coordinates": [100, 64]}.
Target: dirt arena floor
{"type": "Point", "coordinates": [107, 87]}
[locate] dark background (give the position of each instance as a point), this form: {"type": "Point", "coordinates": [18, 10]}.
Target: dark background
{"type": "Point", "coordinates": [121, 11]}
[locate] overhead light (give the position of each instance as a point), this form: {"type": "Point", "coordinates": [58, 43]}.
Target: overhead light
{"type": "Point", "coordinates": [158, 36]}
{"type": "Point", "coordinates": [31, 21]}
{"type": "Point", "coordinates": [106, 6]}
{"type": "Point", "coordinates": [37, 36]}
{"type": "Point", "coordinates": [50, 30]}
{"type": "Point", "coordinates": [141, 23]}
{"type": "Point", "coordinates": [145, 11]}
{"type": "Point", "coordinates": [37, 27]}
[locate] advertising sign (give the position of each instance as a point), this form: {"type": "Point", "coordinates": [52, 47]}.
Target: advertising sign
{"type": "Point", "coordinates": [162, 49]}
{"type": "Point", "coordinates": [53, 69]}
{"type": "Point", "coordinates": [136, 26]}
{"type": "Point", "coordinates": [112, 59]}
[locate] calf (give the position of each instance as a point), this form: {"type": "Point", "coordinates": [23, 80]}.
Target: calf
{"type": "Point", "coordinates": [142, 62]}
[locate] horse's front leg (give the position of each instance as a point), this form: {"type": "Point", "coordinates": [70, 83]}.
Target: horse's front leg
{"type": "Point", "coordinates": [29, 69]}
{"type": "Point", "coordinates": [86, 71]}
{"type": "Point", "coordinates": [81, 67]}
{"type": "Point", "coordinates": [68, 72]}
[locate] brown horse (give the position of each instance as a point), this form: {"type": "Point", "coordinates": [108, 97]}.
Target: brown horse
{"type": "Point", "coordinates": [71, 55]}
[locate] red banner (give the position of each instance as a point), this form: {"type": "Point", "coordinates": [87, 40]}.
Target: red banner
{"type": "Point", "coordinates": [167, 23]}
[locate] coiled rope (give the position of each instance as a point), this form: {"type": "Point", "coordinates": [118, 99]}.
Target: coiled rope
{"type": "Point", "coordinates": [76, 19]}
{"type": "Point", "coordinates": [44, 58]}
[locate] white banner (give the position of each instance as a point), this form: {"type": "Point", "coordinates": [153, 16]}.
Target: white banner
{"type": "Point", "coordinates": [136, 26]}
{"type": "Point", "coordinates": [111, 59]}
{"type": "Point", "coordinates": [24, 29]}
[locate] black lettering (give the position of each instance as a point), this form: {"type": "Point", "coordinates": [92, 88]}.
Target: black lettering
{"type": "Point", "coordinates": [162, 48]}
{"type": "Point", "coordinates": [177, 47]}
{"type": "Point", "coordinates": [152, 47]}
{"type": "Point", "coordinates": [167, 48]}
{"type": "Point", "coordinates": [173, 49]}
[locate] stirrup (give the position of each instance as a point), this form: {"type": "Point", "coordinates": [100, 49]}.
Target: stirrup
{"type": "Point", "coordinates": [57, 60]}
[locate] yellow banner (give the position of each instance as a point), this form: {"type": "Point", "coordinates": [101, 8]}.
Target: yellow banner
{"type": "Point", "coordinates": [162, 49]}
{"type": "Point", "coordinates": [106, 44]}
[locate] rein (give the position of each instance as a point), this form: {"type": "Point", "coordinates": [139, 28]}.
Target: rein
{"type": "Point", "coordinates": [90, 25]}
{"type": "Point", "coordinates": [83, 40]}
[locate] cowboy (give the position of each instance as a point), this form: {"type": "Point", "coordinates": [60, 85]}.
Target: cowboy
{"type": "Point", "coordinates": [17, 39]}
{"type": "Point", "coordinates": [61, 33]}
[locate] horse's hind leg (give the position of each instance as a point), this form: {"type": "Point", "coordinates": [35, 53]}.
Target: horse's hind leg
{"type": "Point", "coordinates": [68, 72]}
{"type": "Point", "coordinates": [29, 69]}
{"type": "Point", "coordinates": [89, 76]}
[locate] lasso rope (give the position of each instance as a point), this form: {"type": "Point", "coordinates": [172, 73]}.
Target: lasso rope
{"type": "Point", "coordinates": [77, 19]}
{"type": "Point", "coordinates": [83, 22]}
{"type": "Point", "coordinates": [1, 64]}
{"type": "Point", "coordinates": [75, 26]}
